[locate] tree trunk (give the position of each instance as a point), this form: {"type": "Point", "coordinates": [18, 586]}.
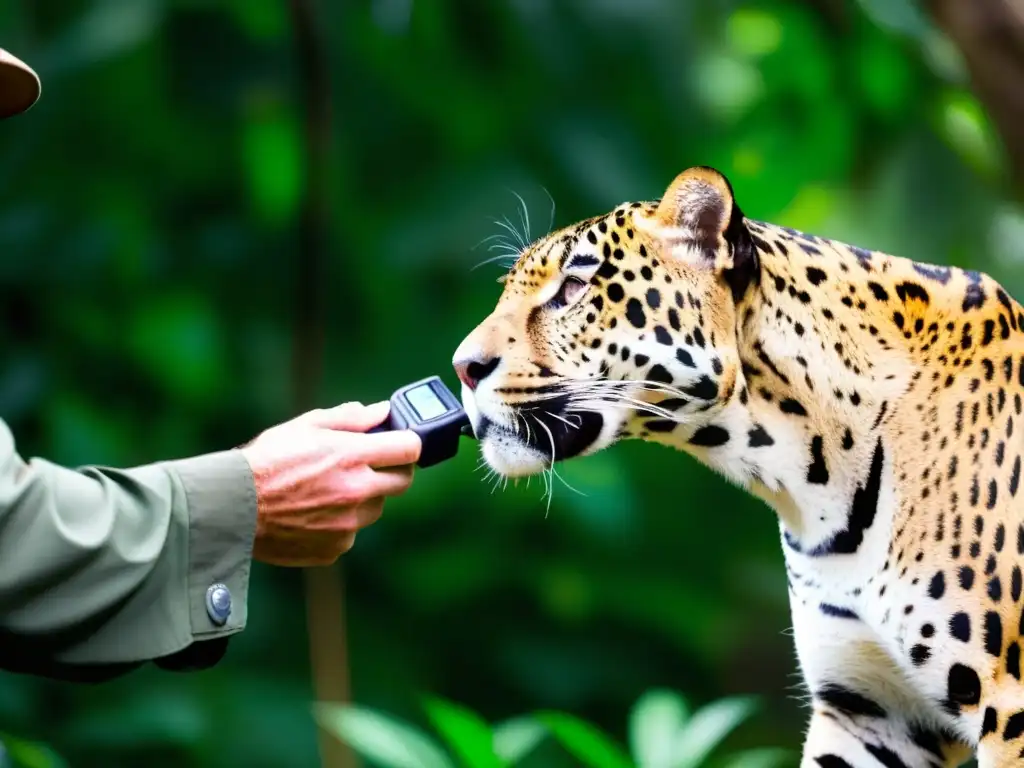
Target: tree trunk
{"type": "Point", "coordinates": [990, 37]}
{"type": "Point", "coordinates": [325, 596]}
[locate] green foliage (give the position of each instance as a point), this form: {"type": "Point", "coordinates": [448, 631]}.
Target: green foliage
{"type": "Point", "coordinates": [466, 733]}
{"type": "Point", "coordinates": [662, 733]}
{"type": "Point", "coordinates": [149, 231]}
{"type": "Point", "coordinates": [20, 753]}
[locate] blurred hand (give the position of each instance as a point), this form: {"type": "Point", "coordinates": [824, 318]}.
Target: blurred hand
{"type": "Point", "coordinates": [319, 479]}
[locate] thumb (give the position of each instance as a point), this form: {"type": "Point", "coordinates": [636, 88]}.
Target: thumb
{"type": "Point", "coordinates": [350, 417]}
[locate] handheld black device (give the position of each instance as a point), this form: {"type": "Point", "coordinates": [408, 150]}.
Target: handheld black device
{"type": "Point", "coordinates": [433, 412]}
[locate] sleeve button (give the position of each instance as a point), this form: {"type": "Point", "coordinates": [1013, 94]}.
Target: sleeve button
{"type": "Point", "coordinates": [218, 603]}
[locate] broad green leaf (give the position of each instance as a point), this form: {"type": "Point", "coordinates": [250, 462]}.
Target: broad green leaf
{"type": "Point", "coordinates": [584, 741]}
{"type": "Point", "coordinates": [387, 740]}
{"type": "Point", "coordinates": [766, 757]}
{"type": "Point", "coordinates": [515, 739]}
{"type": "Point", "coordinates": [467, 735]}
{"type": "Point", "coordinates": [707, 728]}
{"type": "Point", "coordinates": [655, 723]}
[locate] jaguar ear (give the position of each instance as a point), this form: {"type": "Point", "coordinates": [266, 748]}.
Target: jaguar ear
{"type": "Point", "coordinates": [696, 210]}
{"type": "Point", "coordinates": [700, 222]}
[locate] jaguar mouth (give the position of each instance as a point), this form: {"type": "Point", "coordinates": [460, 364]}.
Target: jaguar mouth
{"type": "Point", "coordinates": [549, 429]}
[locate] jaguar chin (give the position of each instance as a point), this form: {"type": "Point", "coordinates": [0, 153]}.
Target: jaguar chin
{"type": "Point", "coordinates": [527, 438]}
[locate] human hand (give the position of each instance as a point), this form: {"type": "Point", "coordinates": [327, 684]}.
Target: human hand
{"type": "Point", "coordinates": [320, 478]}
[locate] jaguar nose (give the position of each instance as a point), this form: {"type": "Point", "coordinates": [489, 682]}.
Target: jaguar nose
{"type": "Point", "coordinates": [472, 370]}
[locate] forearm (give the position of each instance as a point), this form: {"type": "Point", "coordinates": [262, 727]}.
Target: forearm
{"type": "Point", "coordinates": [103, 565]}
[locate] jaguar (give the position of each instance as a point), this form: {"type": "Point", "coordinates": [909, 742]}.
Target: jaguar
{"type": "Point", "coordinates": [872, 401]}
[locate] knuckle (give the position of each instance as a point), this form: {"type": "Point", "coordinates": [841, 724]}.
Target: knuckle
{"type": "Point", "coordinates": [314, 414]}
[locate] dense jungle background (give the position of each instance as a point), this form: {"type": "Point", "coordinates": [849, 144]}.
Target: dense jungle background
{"type": "Point", "coordinates": [222, 213]}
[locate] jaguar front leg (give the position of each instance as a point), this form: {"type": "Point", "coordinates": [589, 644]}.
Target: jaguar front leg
{"type": "Point", "coordinates": [853, 732]}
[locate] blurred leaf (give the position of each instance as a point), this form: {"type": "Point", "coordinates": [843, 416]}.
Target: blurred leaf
{"type": "Point", "coordinates": [272, 155]}
{"type": "Point", "coordinates": [708, 727]}
{"type": "Point", "coordinates": [727, 86]}
{"type": "Point", "coordinates": [515, 739]}
{"type": "Point", "coordinates": [1006, 240]}
{"type": "Point", "coordinates": [107, 28]}
{"type": "Point", "coordinates": [468, 735]}
{"type": "Point", "coordinates": [392, 15]}
{"type": "Point", "coordinates": [584, 741]}
{"type": "Point", "coordinates": [20, 753]}
{"type": "Point", "coordinates": [963, 123]}
{"type": "Point", "coordinates": [753, 32]}
{"type": "Point", "coordinates": [767, 757]}
{"type": "Point", "coordinates": [943, 57]}
{"type": "Point", "coordinates": [902, 16]}
{"type": "Point", "coordinates": [655, 723]}
{"type": "Point", "coordinates": [379, 737]}
{"type": "Point", "coordinates": [809, 209]}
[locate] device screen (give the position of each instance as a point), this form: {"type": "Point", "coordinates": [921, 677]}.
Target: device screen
{"type": "Point", "coordinates": [425, 402]}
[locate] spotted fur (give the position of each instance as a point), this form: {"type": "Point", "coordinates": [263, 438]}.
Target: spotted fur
{"type": "Point", "coordinates": [873, 402]}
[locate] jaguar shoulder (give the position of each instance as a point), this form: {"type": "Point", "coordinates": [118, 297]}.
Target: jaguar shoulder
{"type": "Point", "coordinates": [875, 403]}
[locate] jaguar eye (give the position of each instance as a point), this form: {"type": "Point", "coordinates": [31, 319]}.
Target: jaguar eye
{"type": "Point", "coordinates": [568, 291]}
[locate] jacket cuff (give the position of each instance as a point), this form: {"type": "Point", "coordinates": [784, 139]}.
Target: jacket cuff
{"type": "Point", "coordinates": [221, 497]}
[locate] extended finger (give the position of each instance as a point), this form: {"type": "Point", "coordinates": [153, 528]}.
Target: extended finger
{"type": "Point", "coordinates": [321, 416]}
{"type": "Point", "coordinates": [385, 449]}
{"type": "Point", "coordinates": [348, 417]}
{"type": "Point", "coordinates": [391, 481]}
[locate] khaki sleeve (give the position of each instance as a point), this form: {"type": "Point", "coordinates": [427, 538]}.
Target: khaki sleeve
{"type": "Point", "coordinates": [116, 566]}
